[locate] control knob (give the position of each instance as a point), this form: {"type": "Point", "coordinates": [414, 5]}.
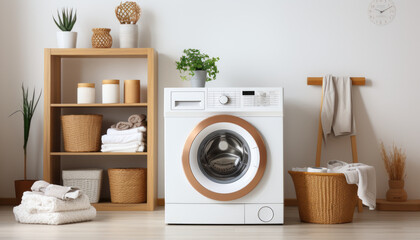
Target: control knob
{"type": "Point", "coordinates": [223, 99]}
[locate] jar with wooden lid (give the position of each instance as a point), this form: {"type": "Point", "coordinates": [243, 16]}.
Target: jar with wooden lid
{"type": "Point", "coordinates": [85, 93]}
{"type": "Point", "coordinates": [111, 91]}
{"type": "Point", "coordinates": [131, 91]}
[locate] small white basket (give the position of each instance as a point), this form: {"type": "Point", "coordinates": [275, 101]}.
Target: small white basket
{"type": "Point", "coordinates": [87, 180]}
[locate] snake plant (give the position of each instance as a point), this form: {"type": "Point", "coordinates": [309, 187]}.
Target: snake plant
{"type": "Point", "coordinates": [67, 20]}
{"type": "Point", "coordinates": [28, 108]}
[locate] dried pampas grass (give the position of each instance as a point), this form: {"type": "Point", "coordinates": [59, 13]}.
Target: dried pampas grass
{"type": "Point", "coordinates": [394, 162]}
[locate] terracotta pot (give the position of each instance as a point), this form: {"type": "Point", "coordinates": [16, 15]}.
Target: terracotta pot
{"type": "Point", "coordinates": [396, 192]}
{"type": "Point", "coordinates": [22, 186]}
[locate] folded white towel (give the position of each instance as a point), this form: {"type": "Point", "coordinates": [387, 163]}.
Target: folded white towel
{"type": "Point", "coordinates": [54, 218]}
{"type": "Point", "coordinates": [126, 138]}
{"type": "Point", "coordinates": [337, 113]}
{"type": "Point", "coordinates": [300, 169]}
{"type": "Point", "coordinates": [361, 174]}
{"type": "Point", "coordinates": [112, 131]}
{"type": "Point", "coordinates": [61, 192]}
{"type": "Point", "coordinates": [37, 202]}
{"type": "Point", "coordinates": [125, 147]}
{"type": "Point", "coordinates": [141, 148]}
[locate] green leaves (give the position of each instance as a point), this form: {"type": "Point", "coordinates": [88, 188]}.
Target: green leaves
{"type": "Point", "coordinates": [27, 110]}
{"type": "Point", "coordinates": [67, 20]}
{"type": "Point", "coordinates": [194, 60]}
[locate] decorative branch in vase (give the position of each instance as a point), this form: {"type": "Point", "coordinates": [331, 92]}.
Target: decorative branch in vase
{"type": "Point", "coordinates": [394, 161]}
{"type": "Point", "coordinates": [128, 14]}
{"type": "Point", "coordinates": [28, 108]}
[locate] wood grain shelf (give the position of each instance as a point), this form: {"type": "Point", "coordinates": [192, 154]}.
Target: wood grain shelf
{"type": "Point", "coordinates": [409, 205]}
{"type": "Point", "coordinates": [54, 106]}
{"type": "Point", "coordinates": [99, 153]}
{"type": "Point", "coordinates": [108, 206]}
{"type": "Point", "coordinates": [97, 105]}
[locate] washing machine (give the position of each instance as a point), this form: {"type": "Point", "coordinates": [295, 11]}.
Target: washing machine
{"type": "Point", "coordinates": [223, 155]}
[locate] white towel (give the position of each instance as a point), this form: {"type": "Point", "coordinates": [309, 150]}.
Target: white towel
{"type": "Point", "coordinates": [126, 138]}
{"type": "Point", "coordinates": [361, 174]}
{"type": "Point", "coordinates": [112, 131]}
{"type": "Point", "coordinates": [125, 147]}
{"type": "Point", "coordinates": [54, 218]}
{"type": "Point", "coordinates": [37, 202]}
{"type": "Point", "coordinates": [61, 192]}
{"type": "Point", "coordinates": [141, 148]}
{"type": "Point", "coordinates": [337, 114]}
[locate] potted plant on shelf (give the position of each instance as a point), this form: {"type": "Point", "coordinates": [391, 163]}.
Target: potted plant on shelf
{"type": "Point", "coordinates": [395, 166]}
{"type": "Point", "coordinates": [199, 66]}
{"type": "Point", "coordinates": [128, 13]}
{"type": "Point", "coordinates": [66, 38]}
{"type": "Point", "coordinates": [28, 108]}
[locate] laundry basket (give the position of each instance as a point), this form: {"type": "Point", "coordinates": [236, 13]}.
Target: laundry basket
{"type": "Point", "coordinates": [324, 197]}
{"type": "Point", "coordinates": [128, 185]}
{"type": "Point", "coordinates": [82, 133]}
{"type": "Point", "coordinates": [87, 180]}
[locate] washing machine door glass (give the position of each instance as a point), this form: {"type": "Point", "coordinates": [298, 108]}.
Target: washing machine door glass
{"type": "Point", "coordinates": [223, 156]}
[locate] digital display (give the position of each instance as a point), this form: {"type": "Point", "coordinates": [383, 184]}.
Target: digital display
{"type": "Point", "coordinates": [248, 93]}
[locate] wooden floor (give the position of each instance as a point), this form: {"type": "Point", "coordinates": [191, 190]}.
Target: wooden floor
{"type": "Point", "coordinates": [150, 225]}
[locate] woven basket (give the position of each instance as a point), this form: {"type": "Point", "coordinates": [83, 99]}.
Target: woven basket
{"type": "Point", "coordinates": [101, 38]}
{"type": "Point", "coordinates": [128, 185]}
{"type": "Point", "coordinates": [87, 180]}
{"type": "Point", "coordinates": [324, 197]}
{"type": "Point", "coordinates": [82, 133]}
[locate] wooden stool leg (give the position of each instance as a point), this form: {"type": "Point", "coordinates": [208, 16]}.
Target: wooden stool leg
{"type": "Point", "coordinates": [319, 140]}
{"type": "Point", "coordinates": [355, 160]}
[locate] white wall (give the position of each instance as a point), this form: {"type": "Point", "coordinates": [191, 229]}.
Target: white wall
{"type": "Point", "coordinates": [260, 43]}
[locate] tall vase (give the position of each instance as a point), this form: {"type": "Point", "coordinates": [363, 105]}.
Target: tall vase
{"type": "Point", "coordinates": [128, 36]}
{"type": "Point", "coordinates": [396, 192]}
{"type": "Point", "coordinates": [199, 78]}
{"type": "Point", "coordinates": [22, 186]}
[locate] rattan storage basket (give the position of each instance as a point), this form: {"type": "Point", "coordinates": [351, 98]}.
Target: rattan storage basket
{"type": "Point", "coordinates": [128, 185]}
{"type": "Point", "coordinates": [87, 180]}
{"type": "Point", "coordinates": [324, 197]}
{"type": "Point", "coordinates": [82, 133]}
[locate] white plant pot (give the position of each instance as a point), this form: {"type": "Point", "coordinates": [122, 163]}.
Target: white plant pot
{"type": "Point", "coordinates": [66, 39]}
{"type": "Point", "coordinates": [128, 36]}
{"type": "Point", "coordinates": [199, 78]}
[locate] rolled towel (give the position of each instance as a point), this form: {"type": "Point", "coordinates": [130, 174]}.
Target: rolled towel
{"type": "Point", "coordinates": [37, 202]}
{"type": "Point", "coordinates": [136, 118]}
{"type": "Point", "coordinates": [62, 192]}
{"type": "Point", "coordinates": [124, 125]}
{"type": "Point", "coordinates": [54, 218]}
{"type": "Point", "coordinates": [39, 186]}
{"type": "Point", "coordinates": [113, 131]}
{"type": "Point", "coordinates": [140, 124]}
{"type": "Point", "coordinates": [117, 139]}
{"type": "Point", "coordinates": [126, 147]}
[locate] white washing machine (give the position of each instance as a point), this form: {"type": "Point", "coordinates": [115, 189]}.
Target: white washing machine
{"type": "Point", "coordinates": [223, 155]}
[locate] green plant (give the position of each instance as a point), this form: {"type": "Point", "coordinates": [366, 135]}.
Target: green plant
{"type": "Point", "coordinates": [193, 60]}
{"type": "Point", "coordinates": [67, 19]}
{"type": "Point", "coordinates": [29, 105]}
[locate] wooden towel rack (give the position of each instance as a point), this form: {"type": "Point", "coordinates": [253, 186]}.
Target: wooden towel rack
{"type": "Point", "coordinates": [359, 81]}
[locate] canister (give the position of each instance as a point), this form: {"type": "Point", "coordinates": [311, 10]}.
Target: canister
{"type": "Point", "coordinates": [111, 91]}
{"type": "Point", "coordinates": [85, 93]}
{"type": "Point", "coordinates": [131, 91]}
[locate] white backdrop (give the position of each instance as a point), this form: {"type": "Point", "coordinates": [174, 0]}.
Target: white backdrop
{"type": "Point", "coordinates": [260, 43]}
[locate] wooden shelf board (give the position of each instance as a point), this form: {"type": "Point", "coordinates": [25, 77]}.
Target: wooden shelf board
{"type": "Point", "coordinates": [98, 53]}
{"type": "Point", "coordinates": [108, 206]}
{"type": "Point", "coordinates": [98, 153]}
{"type": "Point", "coordinates": [97, 105]}
{"type": "Point", "coordinates": [360, 81]}
{"type": "Point", "coordinates": [409, 205]}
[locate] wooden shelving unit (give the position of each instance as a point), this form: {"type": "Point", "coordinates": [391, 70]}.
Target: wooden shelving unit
{"type": "Point", "coordinates": [53, 107]}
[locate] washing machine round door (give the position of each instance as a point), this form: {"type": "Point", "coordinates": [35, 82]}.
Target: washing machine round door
{"type": "Point", "coordinates": [224, 157]}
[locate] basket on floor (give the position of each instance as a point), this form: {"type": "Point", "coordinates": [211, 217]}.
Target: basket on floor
{"type": "Point", "coordinates": [87, 180]}
{"type": "Point", "coordinates": [128, 185]}
{"type": "Point", "coordinates": [324, 197]}
{"type": "Point", "coordinates": [82, 133]}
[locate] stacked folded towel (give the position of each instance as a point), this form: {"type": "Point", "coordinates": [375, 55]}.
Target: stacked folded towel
{"type": "Point", "coordinates": [130, 140]}
{"type": "Point", "coordinates": [134, 121]}
{"type": "Point", "coordinates": [53, 204]}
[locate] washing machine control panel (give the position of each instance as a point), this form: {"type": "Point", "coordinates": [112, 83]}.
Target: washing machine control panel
{"type": "Point", "coordinates": [238, 98]}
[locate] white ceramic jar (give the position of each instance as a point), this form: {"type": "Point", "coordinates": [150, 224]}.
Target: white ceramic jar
{"type": "Point", "coordinates": [85, 93]}
{"type": "Point", "coordinates": [111, 91]}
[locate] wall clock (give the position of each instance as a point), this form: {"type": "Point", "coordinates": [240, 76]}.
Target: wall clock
{"type": "Point", "coordinates": [381, 12]}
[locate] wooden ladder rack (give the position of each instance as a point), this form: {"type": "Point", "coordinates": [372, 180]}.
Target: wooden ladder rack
{"type": "Point", "coordinates": [358, 81]}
